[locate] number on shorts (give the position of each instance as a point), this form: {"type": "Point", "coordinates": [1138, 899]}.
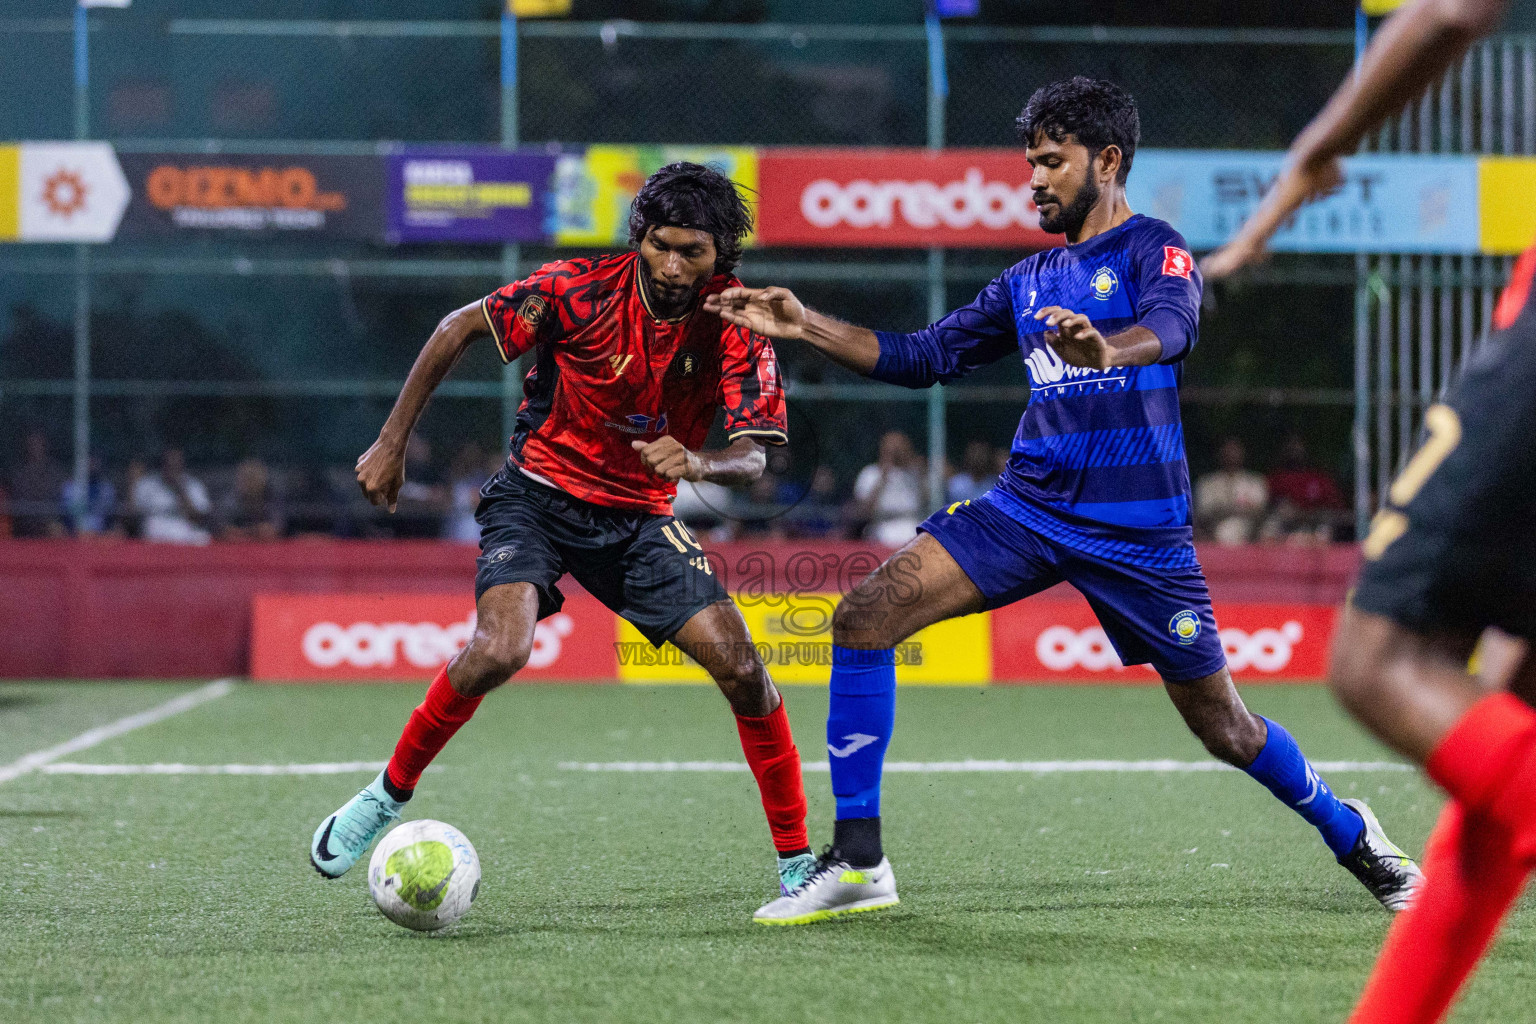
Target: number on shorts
{"type": "Point", "coordinates": [1444, 428]}
{"type": "Point", "coordinates": [682, 540]}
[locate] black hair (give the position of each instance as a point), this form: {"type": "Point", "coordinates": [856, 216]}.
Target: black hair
{"type": "Point", "coordinates": [1097, 113]}
{"type": "Point", "coordinates": [685, 195]}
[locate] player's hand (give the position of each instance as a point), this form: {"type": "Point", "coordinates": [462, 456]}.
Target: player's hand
{"type": "Point", "coordinates": [771, 312]}
{"type": "Point", "coordinates": [1076, 340]}
{"type": "Point", "coordinates": [381, 473]}
{"type": "Point", "coordinates": [668, 459]}
{"type": "Point", "coordinates": [1300, 183]}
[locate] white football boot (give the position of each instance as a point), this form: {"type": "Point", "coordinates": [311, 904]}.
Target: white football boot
{"type": "Point", "coordinates": [835, 888]}
{"type": "Point", "coordinates": [1389, 873]}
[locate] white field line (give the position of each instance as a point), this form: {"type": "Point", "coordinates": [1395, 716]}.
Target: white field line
{"type": "Point", "coordinates": [91, 737]}
{"type": "Point", "coordinates": [324, 768]}
{"type": "Point", "coordinates": [939, 767]}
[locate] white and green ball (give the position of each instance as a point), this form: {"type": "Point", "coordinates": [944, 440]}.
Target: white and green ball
{"type": "Point", "coordinates": [424, 875]}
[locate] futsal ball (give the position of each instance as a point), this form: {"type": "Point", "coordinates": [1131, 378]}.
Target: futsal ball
{"type": "Point", "coordinates": [424, 875]}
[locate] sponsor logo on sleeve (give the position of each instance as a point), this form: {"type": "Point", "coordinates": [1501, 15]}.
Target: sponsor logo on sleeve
{"type": "Point", "coordinates": [1177, 262]}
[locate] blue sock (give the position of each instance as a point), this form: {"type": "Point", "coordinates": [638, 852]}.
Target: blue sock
{"type": "Point", "coordinates": [860, 718]}
{"type": "Point", "coordinates": [1285, 772]}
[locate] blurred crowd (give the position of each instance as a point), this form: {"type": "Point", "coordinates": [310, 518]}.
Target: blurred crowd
{"type": "Point", "coordinates": [163, 500]}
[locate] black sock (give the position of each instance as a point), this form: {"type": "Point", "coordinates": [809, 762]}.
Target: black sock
{"type": "Point", "coordinates": [395, 792]}
{"type": "Point", "coordinates": [786, 854]}
{"type": "Point", "coordinates": [857, 841]}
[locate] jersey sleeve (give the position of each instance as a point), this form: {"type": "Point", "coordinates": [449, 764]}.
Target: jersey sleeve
{"type": "Point", "coordinates": [1168, 293]}
{"type": "Point", "coordinates": [524, 312]}
{"type": "Point", "coordinates": [965, 340]}
{"type": "Point", "coordinates": [750, 390]}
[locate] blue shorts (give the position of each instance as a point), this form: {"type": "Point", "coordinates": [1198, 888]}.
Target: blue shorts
{"type": "Point", "coordinates": [1159, 616]}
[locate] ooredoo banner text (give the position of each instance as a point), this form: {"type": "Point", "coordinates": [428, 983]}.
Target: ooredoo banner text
{"type": "Point", "coordinates": [898, 198]}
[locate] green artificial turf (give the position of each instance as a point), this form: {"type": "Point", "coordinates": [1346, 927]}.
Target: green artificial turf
{"type": "Point", "coordinates": [609, 897]}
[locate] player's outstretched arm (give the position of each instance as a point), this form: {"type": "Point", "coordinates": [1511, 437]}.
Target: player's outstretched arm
{"type": "Point", "coordinates": [777, 313]}
{"type": "Point", "coordinates": [381, 469]}
{"type": "Point", "coordinates": [1079, 343]}
{"type": "Point", "coordinates": [739, 463]}
{"type": "Point", "coordinates": [1413, 49]}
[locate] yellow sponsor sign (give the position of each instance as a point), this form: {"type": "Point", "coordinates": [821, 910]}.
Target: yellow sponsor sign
{"type": "Point", "coordinates": [793, 635]}
{"type": "Point", "coordinates": [593, 190]}
{"type": "Point", "coordinates": [1507, 203]}
{"type": "Point", "coordinates": [1377, 8]}
{"type": "Point", "coordinates": [10, 193]}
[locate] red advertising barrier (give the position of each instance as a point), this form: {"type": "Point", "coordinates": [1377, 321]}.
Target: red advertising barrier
{"type": "Point", "coordinates": [898, 198]}
{"type": "Point", "coordinates": [353, 637]}
{"type": "Point", "coordinates": [1058, 639]}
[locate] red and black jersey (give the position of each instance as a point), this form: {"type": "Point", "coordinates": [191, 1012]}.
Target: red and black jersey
{"type": "Point", "coordinates": [609, 372]}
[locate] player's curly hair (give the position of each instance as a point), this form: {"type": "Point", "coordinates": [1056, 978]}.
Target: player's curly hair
{"type": "Point", "coordinates": [686, 195]}
{"type": "Point", "coordinates": [1097, 113]}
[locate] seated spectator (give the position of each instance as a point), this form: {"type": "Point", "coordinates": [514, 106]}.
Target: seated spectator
{"type": "Point", "coordinates": [1229, 503]}
{"type": "Point", "coordinates": [465, 477]}
{"type": "Point", "coordinates": [818, 511]}
{"type": "Point", "coordinates": [172, 505]}
{"type": "Point", "coordinates": [888, 494]}
{"type": "Point", "coordinates": [5, 514]}
{"type": "Point", "coordinates": [91, 509]}
{"type": "Point", "coordinates": [757, 509]}
{"type": "Point", "coordinates": [976, 475]}
{"type": "Point", "coordinates": [705, 508]}
{"type": "Point", "coordinates": [423, 502]}
{"type": "Point", "coordinates": [1308, 503]}
{"type": "Point", "coordinates": [35, 487]}
{"type": "Point", "coordinates": [250, 509]}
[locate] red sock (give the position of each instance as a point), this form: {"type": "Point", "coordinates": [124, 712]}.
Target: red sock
{"type": "Point", "coordinates": [1475, 864]}
{"type": "Point", "coordinates": [1471, 881]}
{"type": "Point", "coordinates": [771, 753]}
{"type": "Point", "coordinates": [430, 728]}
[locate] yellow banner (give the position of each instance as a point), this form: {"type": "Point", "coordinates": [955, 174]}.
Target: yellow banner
{"type": "Point", "coordinates": [793, 635]}
{"type": "Point", "coordinates": [1506, 204]}
{"type": "Point", "coordinates": [1377, 8]}
{"type": "Point", "coordinates": [10, 193]}
{"type": "Point", "coordinates": [540, 8]}
{"type": "Point", "coordinates": [593, 191]}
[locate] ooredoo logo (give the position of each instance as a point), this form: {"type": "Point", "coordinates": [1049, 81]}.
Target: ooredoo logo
{"type": "Point", "coordinates": [970, 201]}
{"type": "Point", "coordinates": [1062, 648]}
{"type": "Point", "coordinates": [423, 645]}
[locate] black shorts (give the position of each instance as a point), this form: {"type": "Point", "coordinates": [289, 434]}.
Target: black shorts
{"type": "Point", "coordinates": [1455, 547]}
{"type": "Point", "coordinates": [645, 567]}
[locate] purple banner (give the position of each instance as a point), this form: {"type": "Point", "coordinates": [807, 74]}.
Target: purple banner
{"type": "Point", "coordinates": [470, 195]}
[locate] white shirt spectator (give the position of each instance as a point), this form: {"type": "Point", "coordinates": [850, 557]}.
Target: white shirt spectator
{"type": "Point", "coordinates": [896, 496]}
{"type": "Point", "coordinates": [164, 519]}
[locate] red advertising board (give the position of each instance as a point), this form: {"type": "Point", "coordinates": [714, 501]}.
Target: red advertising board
{"type": "Point", "coordinates": [898, 198]}
{"type": "Point", "coordinates": [1061, 641]}
{"type": "Point", "coordinates": [309, 637]}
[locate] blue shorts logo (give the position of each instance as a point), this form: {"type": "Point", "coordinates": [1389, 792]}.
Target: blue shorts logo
{"type": "Point", "coordinates": [1185, 627]}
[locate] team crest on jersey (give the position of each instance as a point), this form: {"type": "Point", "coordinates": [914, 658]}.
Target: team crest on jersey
{"type": "Point", "coordinates": [533, 311]}
{"type": "Point", "coordinates": [1177, 262]}
{"type": "Point", "coordinates": [1185, 627]}
{"type": "Point", "coordinates": [1104, 283]}
{"type": "Point", "coordinates": [685, 364]}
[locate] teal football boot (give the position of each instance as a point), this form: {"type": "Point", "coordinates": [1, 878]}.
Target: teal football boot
{"type": "Point", "coordinates": [343, 838]}
{"type": "Point", "coordinates": [793, 871]}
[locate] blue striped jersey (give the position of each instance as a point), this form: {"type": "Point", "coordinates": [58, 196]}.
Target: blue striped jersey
{"type": "Point", "coordinates": [1097, 463]}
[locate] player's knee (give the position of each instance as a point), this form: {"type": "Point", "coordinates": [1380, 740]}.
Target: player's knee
{"type": "Point", "coordinates": [1235, 739]}
{"type": "Point", "coordinates": [741, 676]}
{"type": "Point", "coordinates": [489, 661]}
{"type": "Point", "coordinates": [860, 622]}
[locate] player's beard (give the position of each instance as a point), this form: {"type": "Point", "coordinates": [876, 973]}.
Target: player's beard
{"type": "Point", "coordinates": [1068, 220]}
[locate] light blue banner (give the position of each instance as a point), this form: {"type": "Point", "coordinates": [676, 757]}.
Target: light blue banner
{"type": "Point", "coordinates": [1388, 202]}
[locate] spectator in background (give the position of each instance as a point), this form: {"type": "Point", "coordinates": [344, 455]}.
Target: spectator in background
{"type": "Point", "coordinates": [35, 487]}
{"type": "Point", "coordinates": [172, 505]}
{"type": "Point", "coordinates": [703, 507]}
{"type": "Point", "coordinates": [976, 474]}
{"type": "Point", "coordinates": [818, 512]}
{"type": "Point", "coordinates": [1308, 503]}
{"type": "Point", "coordinates": [466, 476]}
{"type": "Point", "coordinates": [250, 509]}
{"type": "Point", "coordinates": [90, 509]}
{"type": "Point", "coordinates": [888, 493]}
{"type": "Point", "coordinates": [423, 501]}
{"type": "Point", "coordinates": [5, 514]}
{"type": "Point", "coordinates": [1230, 502]}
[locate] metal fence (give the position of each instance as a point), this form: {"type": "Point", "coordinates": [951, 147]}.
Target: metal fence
{"type": "Point", "coordinates": [295, 351]}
